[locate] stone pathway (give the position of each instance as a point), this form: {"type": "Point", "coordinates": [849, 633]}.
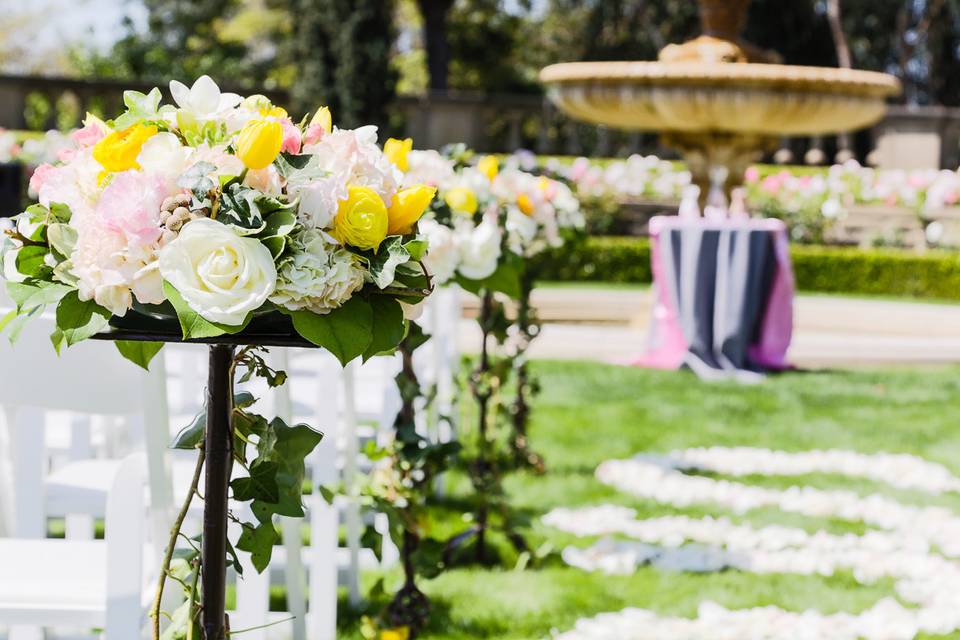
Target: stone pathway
{"type": "Point", "coordinates": [609, 325]}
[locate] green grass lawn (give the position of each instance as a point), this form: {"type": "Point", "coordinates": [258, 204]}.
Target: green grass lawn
{"type": "Point", "coordinates": [588, 413]}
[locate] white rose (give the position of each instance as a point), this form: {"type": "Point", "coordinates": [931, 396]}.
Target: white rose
{"type": "Point", "coordinates": [443, 254]}
{"type": "Point", "coordinates": [220, 275]}
{"type": "Point", "coordinates": [480, 251]}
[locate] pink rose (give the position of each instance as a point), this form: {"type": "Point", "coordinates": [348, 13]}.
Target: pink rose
{"type": "Point", "coordinates": [40, 175]}
{"type": "Point", "coordinates": [291, 136]}
{"type": "Point", "coordinates": [313, 134]}
{"type": "Point", "coordinates": [88, 135]}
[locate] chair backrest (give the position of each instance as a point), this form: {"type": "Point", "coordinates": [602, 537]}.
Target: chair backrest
{"type": "Point", "coordinates": [90, 377]}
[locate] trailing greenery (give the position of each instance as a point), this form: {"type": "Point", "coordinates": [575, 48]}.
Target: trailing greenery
{"type": "Point", "coordinates": [889, 272]}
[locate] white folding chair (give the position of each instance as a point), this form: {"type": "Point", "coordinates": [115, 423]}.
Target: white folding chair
{"type": "Point", "coordinates": [89, 379]}
{"type": "Point", "coordinates": [82, 584]}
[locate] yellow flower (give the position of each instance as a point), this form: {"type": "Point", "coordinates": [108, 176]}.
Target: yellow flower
{"type": "Point", "coordinates": [489, 166]}
{"type": "Point", "coordinates": [407, 207]}
{"type": "Point", "coordinates": [397, 152]}
{"type": "Point", "coordinates": [461, 200]}
{"type": "Point", "coordinates": [361, 219]}
{"type": "Point", "coordinates": [323, 118]}
{"type": "Point", "coordinates": [119, 150]}
{"type": "Point", "coordinates": [525, 204]}
{"type": "Point", "coordinates": [259, 143]}
{"type": "Point", "coordinates": [400, 633]}
{"type": "Point", "coordinates": [544, 184]}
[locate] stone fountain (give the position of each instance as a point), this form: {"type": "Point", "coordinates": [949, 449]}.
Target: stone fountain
{"type": "Point", "coordinates": [720, 101]}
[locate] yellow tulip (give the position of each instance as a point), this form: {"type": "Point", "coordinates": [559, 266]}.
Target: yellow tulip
{"type": "Point", "coordinates": [461, 200]}
{"type": "Point", "coordinates": [119, 150]}
{"type": "Point", "coordinates": [489, 166]}
{"type": "Point", "coordinates": [259, 143]}
{"type": "Point", "coordinates": [400, 633]}
{"type": "Point", "coordinates": [407, 207]}
{"type": "Point", "coordinates": [361, 219]}
{"type": "Point", "coordinates": [525, 204]}
{"type": "Point", "coordinates": [262, 105]}
{"type": "Point", "coordinates": [397, 152]}
{"type": "Point", "coordinates": [323, 118]}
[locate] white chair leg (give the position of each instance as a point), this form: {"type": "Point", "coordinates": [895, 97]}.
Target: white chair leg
{"type": "Point", "coordinates": [295, 577]}
{"type": "Point", "coordinates": [79, 526]}
{"type": "Point", "coordinates": [125, 543]}
{"type": "Point", "coordinates": [27, 435]}
{"type": "Point", "coordinates": [350, 453]}
{"type": "Point", "coordinates": [6, 472]}
{"type": "Point", "coordinates": [253, 593]}
{"type": "Point", "coordinates": [324, 523]}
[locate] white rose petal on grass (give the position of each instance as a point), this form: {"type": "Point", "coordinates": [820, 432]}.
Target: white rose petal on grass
{"type": "Point", "coordinates": [319, 276]}
{"type": "Point", "coordinates": [220, 275]}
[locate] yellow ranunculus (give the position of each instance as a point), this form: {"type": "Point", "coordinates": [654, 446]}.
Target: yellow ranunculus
{"type": "Point", "coordinates": [119, 150]}
{"type": "Point", "coordinates": [525, 204]}
{"type": "Point", "coordinates": [407, 207]}
{"type": "Point", "coordinates": [361, 219]}
{"type": "Point", "coordinates": [397, 152]}
{"type": "Point", "coordinates": [461, 200]}
{"type": "Point", "coordinates": [323, 118]}
{"type": "Point", "coordinates": [259, 143]}
{"type": "Point", "coordinates": [489, 166]}
{"type": "Point", "coordinates": [400, 633]}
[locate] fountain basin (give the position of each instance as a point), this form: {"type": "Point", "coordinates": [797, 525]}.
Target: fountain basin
{"type": "Point", "coordinates": [742, 99]}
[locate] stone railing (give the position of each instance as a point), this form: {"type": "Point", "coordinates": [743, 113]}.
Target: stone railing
{"type": "Point", "coordinates": [909, 137]}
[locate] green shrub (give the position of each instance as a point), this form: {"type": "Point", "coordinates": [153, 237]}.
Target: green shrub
{"type": "Point", "coordinates": [891, 272]}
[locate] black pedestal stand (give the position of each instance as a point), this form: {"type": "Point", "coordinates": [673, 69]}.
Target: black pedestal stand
{"type": "Point", "coordinates": [218, 447]}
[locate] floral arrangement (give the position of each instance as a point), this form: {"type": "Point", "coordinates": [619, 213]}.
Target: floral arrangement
{"type": "Point", "coordinates": [219, 210]}
{"type": "Point", "coordinates": [218, 214]}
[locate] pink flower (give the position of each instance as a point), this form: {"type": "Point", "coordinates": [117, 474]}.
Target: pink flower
{"type": "Point", "coordinates": [951, 197]}
{"type": "Point", "coordinates": [751, 175]}
{"type": "Point", "coordinates": [291, 136]}
{"type": "Point", "coordinates": [772, 184]}
{"type": "Point", "coordinates": [66, 155]}
{"type": "Point", "coordinates": [40, 175]}
{"type": "Point", "coordinates": [313, 134]}
{"type": "Point", "coordinates": [130, 207]}
{"type": "Point", "coordinates": [88, 135]}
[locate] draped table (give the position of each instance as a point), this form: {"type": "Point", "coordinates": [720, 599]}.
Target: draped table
{"type": "Point", "coordinates": [723, 296]}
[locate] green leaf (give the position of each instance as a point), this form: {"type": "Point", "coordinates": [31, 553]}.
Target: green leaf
{"type": "Point", "coordinates": [60, 212]}
{"type": "Point", "coordinates": [388, 325]}
{"type": "Point", "coordinates": [416, 248]}
{"type": "Point", "coordinates": [62, 238]}
{"type": "Point", "coordinates": [30, 260]}
{"type": "Point", "coordinates": [35, 293]}
{"type": "Point", "coordinates": [275, 244]}
{"type": "Point", "coordinates": [506, 280]}
{"type": "Point", "coordinates": [137, 352]}
{"type": "Point", "coordinates": [192, 323]}
{"type": "Point", "coordinates": [78, 320]}
{"type": "Point", "coordinates": [258, 541]}
{"type": "Point", "coordinates": [345, 332]}
{"type": "Point", "coordinates": [280, 223]}
{"type": "Point", "coordinates": [384, 263]}
{"type": "Point", "coordinates": [239, 209]}
{"type": "Point", "coordinates": [7, 318]}
{"type": "Point", "coordinates": [191, 436]}
{"type": "Point", "coordinates": [260, 485]}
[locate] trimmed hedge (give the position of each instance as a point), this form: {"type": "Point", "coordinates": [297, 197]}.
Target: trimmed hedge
{"type": "Point", "coordinates": [888, 272]}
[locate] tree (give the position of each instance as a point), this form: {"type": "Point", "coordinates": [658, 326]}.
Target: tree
{"type": "Point", "coordinates": [435, 14]}
{"type": "Point", "coordinates": [341, 49]}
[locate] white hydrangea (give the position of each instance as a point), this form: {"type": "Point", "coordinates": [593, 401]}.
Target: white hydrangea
{"type": "Point", "coordinates": [479, 249]}
{"type": "Point", "coordinates": [319, 275]}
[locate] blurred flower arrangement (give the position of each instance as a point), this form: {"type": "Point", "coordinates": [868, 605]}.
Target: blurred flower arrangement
{"type": "Point", "coordinates": [219, 214]}
{"type": "Point", "coordinates": [809, 200]}
{"type": "Point", "coordinates": [481, 229]}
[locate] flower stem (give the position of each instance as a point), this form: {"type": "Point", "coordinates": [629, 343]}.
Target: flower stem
{"type": "Point", "coordinates": [171, 545]}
